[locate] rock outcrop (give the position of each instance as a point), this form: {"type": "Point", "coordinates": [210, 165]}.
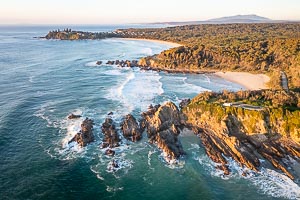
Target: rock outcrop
{"type": "Point", "coordinates": [85, 135]}
{"type": "Point", "coordinates": [244, 135]}
{"type": "Point", "coordinates": [109, 152]}
{"type": "Point", "coordinates": [111, 138]}
{"type": "Point", "coordinates": [162, 124]}
{"type": "Point", "coordinates": [73, 116]}
{"type": "Point", "coordinates": [184, 103]}
{"type": "Point", "coordinates": [217, 146]}
{"type": "Point", "coordinates": [131, 129]}
{"type": "Point", "coordinates": [123, 63]}
{"type": "Point", "coordinates": [279, 151]}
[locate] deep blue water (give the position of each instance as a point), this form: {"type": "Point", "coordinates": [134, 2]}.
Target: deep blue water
{"type": "Point", "coordinates": [43, 81]}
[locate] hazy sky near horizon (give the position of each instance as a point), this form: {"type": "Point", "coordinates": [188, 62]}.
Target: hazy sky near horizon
{"type": "Point", "coordinates": [136, 11]}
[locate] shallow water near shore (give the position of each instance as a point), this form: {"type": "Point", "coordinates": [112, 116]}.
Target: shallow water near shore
{"type": "Point", "coordinates": [42, 81]}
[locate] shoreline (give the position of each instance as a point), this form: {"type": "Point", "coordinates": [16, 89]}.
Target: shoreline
{"type": "Point", "coordinates": [173, 44]}
{"type": "Point", "coordinates": [246, 79]}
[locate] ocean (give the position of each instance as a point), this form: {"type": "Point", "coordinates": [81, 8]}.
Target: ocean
{"type": "Point", "coordinates": [43, 81]}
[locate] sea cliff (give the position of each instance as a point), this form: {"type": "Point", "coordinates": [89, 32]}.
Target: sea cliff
{"type": "Point", "coordinates": [248, 126]}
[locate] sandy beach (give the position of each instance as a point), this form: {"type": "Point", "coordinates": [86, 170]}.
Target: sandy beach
{"type": "Point", "coordinates": [173, 44]}
{"type": "Point", "coordinates": [248, 80]}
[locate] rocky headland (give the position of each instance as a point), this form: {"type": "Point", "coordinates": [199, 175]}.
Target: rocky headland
{"type": "Point", "coordinates": [246, 126]}
{"type": "Point", "coordinates": [68, 34]}
{"type": "Point", "coordinates": [257, 48]}
{"type": "Point", "coordinates": [247, 132]}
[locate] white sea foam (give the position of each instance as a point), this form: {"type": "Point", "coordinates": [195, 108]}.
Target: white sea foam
{"type": "Point", "coordinates": [194, 146]}
{"type": "Point", "coordinates": [141, 91]}
{"type": "Point", "coordinates": [149, 158]}
{"type": "Point", "coordinates": [171, 163]}
{"type": "Point", "coordinates": [275, 184]}
{"type": "Point", "coordinates": [267, 181]}
{"type": "Point", "coordinates": [31, 79]}
{"type": "Point", "coordinates": [113, 72]}
{"type": "Point", "coordinates": [192, 87]}
{"type": "Point", "coordinates": [207, 79]}
{"type": "Point", "coordinates": [137, 91]}
{"type": "Point", "coordinates": [91, 64]}
{"type": "Point", "coordinates": [73, 127]}
{"type": "Point", "coordinates": [97, 174]}
{"type": "Point", "coordinates": [43, 113]}
{"type": "Point", "coordinates": [113, 189]}
{"type": "Point", "coordinates": [120, 89]}
{"type": "Point", "coordinates": [147, 51]}
{"type": "Point", "coordinates": [116, 166]}
{"type": "Point", "coordinates": [121, 164]}
{"type": "Point", "coordinates": [70, 127]}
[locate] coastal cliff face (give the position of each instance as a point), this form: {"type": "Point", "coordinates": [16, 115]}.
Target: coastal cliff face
{"type": "Point", "coordinates": [163, 125]}
{"type": "Point", "coordinates": [246, 126]}
{"type": "Point", "coordinates": [246, 132]}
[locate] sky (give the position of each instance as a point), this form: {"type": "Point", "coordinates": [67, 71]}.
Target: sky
{"type": "Point", "coordinates": [139, 11]}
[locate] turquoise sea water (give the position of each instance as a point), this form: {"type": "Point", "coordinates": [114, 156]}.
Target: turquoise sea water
{"type": "Point", "coordinates": [43, 81]}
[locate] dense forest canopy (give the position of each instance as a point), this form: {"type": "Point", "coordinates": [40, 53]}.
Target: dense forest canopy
{"type": "Point", "coordinates": [258, 48]}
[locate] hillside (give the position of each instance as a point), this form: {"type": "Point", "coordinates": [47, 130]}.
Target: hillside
{"type": "Point", "coordinates": [248, 126]}
{"type": "Point", "coordinates": [256, 48]}
{"type": "Point", "coordinates": [225, 20]}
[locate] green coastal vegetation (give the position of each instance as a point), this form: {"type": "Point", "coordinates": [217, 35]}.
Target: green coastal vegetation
{"type": "Point", "coordinates": [234, 124]}
{"type": "Point", "coordinates": [257, 48]}
{"type": "Point", "coordinates": [269, 111]}
{"type": "Point", "coordinates": [248, 126]}
{"type": "Point", "coordinates": [268, 48]}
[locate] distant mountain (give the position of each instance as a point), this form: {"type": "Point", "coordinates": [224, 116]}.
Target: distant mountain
{"type": "Point", "coordinates": [228, 20]}
{"type": "Point", "coordinates": [241, 19]}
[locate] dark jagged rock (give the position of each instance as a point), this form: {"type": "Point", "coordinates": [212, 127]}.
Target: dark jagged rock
{"type": "Point", "coordinates": [278, 151]}
{"type": "Point", "coordinates": [98, 62]}
{"type": "Point", "coordinates": [73, 116]}
{"type": "Point", "coordinates": [110, 62]}
{"type": "Point", "coordinates": [131, 129]}
{"type": "Point", "coordinates": [134, 63]}
{"type": "Point", "coordinates": [113, 165]}
{"type": "Point", "coordinates": [123, 63]}
{"type": "Point", "coordinates": [111, 138]}
{"type": "Point", "coordinates": [244, 135]}
{"type": "Point", "coordinates": [162, 124]}
{"type": "Point", "coordinates": [110, 152]}
{"type": "Point", "coordinates": [184, 103]}
{"type": "Point", "coordinates": [216, 146]}
{"type": "Point", "coordinates": [110, 113]}
{"type": "Point", "coordinates": [85, 135]}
